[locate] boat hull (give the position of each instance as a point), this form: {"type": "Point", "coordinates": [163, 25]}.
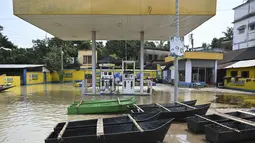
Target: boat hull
{"type": "Point", "coordinates": [217, 134]}
{"type": "Point", "coordinates": [97, 108]}
{"type": "Point", "coordinates": [106, 121]}
{"type": "Point", "coordinates": [196, 124]}
{"type": "Point", "coordinates": [180, 113]}
{"type": "Point", "coordinates": [154, 131]}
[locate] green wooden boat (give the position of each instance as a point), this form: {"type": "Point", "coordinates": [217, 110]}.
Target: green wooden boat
{"type": "Point", "coordinates": [112, 106]}
{"type": "Point", "coordinates": [102, 101]}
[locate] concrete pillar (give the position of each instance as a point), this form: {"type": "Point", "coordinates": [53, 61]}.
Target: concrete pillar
{"type": "Point", "coordinates": [93, 62]}
{"type": "Point", "coordinates": [141, 61]}
{"type": "Point", "coordinates": [188, 71]}
{"type": "Point", "coordinates": [215, 72]}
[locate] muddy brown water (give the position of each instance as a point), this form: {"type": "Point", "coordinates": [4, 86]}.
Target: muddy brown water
{"type": "Point", "coordinates": [29, 113]}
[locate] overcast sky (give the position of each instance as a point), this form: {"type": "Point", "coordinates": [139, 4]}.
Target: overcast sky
{"type": "Point", "coordinates": [21, 33]}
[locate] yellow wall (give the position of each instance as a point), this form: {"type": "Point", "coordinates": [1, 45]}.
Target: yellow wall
{"type": "Point", "coordinates": [2, 80]}
{"type": "Point", "coordinates": [133, 7]}
{"type": "Point", "coordinates": [199, 56]}
{"type": "Point", "coordinates": [55, 77]}
{"type": "Point", "coordinates": [68, 75]}
{"type": "Point", "coordinates": [14, 80]}
{"type": "Point", "coordinates": [49, 77]}
{"type": "Point", "coordinates": [35, 78]}
{"type": "Point", "coordinates": [78, 75]}
{"type": "Point", "coordinates": [242, 83]}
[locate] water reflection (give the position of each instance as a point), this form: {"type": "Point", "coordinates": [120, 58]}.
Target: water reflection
{"type": "Point", "coordinates": [29, 113]}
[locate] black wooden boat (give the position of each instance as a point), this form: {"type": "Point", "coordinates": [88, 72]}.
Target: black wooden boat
{"type": "Point", "coordinates": [153, 130]}
{"type": "Point", "coordinates": [234, 132]}
{"type": "Point", "coordinates": [196, 123]}
{"type": "Point", "coordinates": [190, 103]}
{"type": "Point", "coordinates": [107, 121]}
{"type": "Point", "coordinates": [180, 112]}
{"type": "Point", "coordinates": [3, 88]}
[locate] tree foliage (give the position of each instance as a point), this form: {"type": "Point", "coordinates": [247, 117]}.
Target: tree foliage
{"type": "Point", "coordinates": [228, 33]}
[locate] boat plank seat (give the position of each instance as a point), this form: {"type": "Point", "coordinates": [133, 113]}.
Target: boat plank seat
{"type": "Point", "coordinates": [185, 105]}
{"type": "Point", "coordinates": [240, 120]}
{"type": "Point", "coordinates": [245, 112]}
{"type": "Point", "coordinates": [100, 127]}
{"type": "Point", "coordinates": [218, 123]}
{"type": "Point", "coordinates": [135, 123]}
{"type": "Point", "coordinates": [161, 106]}
{"type": "Point", "coordinates": [79, 104]}
{"type": "Point", "coordinates": [62, 131]}
{"type": "Point", "coordinates": [138, 108]}
{"type": "Point", "coordinates": [118, 100]}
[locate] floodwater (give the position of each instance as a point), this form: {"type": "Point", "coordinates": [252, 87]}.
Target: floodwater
{"type": "Point", "coordinates": [29, 113]}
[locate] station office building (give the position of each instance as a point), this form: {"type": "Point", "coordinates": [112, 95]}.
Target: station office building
{"type": "Point", "coordinates": [196, 67]}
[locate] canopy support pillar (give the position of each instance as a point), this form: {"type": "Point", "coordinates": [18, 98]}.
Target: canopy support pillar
{"type": "Point", "coordinates": [94, 62]}
{"type": "Point", "coordinates": [141, 61]}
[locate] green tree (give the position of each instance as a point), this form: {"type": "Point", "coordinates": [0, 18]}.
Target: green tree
{"type": "Point", "coordinates": [205, 45]}
{"type": "Point", "coordinates": [228, 33]}
{"type": "Point", "coordinates": [150, 45]}
{"type": "Point", "coordinates": [216, 43]}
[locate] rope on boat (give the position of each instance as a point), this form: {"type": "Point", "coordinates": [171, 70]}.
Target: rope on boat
{"type": "Point", "coordinates": [62, 131]}
{"type": "Point", "coordinates": [118, 100]}
{"type": "Point", "coordinates": [136, 124]}
{"type": "Point", "coordinates": [245, 112]}
{"type": "Point", "coordinates": [240, 120]}
{"type": "Point", "coordinates": [79, 104]}
{"type": "Point", "coordinates": [218, 123]}
{"type": "Point", "coordinates": [185, 105]}
{"type": "Point", "coordinates": [138, 108]}
{"type": "Point", "coordinates": [100, 127]}
{"type": "Point", "coordinates": [163, 107]}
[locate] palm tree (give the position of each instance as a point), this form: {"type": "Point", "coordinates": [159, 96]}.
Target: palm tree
{"type": "Point", "coordinates": [229, 33]}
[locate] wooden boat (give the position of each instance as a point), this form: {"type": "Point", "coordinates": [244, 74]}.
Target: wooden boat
{"type": "Point", "coordinates": [133, 132]}
{"type": "Point", "coordinates": [190, 103]}
{"type": "Point", "coordinates": [107, 121]}
{"type": "Point", "coordinates": [3, 88]}
{"type": "Point", "coordinates": [101, 107]}
{"type": "Point", "coordinates": [196, 123]}
{"type": "Point", "coordinates": [230, 132]}
{"type": "Point", "coordinates": [179, 112]}
{"type": "Point", "coordinates": [102, 101]}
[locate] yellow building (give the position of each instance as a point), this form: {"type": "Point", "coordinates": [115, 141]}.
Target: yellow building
{"type": "Point", "coordinates": [195, 67]}
{"type": "Point", "coordinates": [85, 58]}
{"type": "Point", "coordinates": [241, 75]}
{"type": "Point", "coordinates": [237, 70]}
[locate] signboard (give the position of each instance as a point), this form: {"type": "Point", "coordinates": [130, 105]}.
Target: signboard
{"type": "Point", "coordinates": [176, 47]}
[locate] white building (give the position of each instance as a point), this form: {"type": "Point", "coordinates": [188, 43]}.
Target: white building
{"type": "Point", "coordinates": [244, 25]}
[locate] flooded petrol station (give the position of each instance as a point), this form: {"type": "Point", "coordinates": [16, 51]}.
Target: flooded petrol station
{"type": "Point", "coordinates": [29, 113]}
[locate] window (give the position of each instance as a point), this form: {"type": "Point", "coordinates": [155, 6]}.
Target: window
{"type": "Point", "coordinates": [245, 74]}
{"type": "Point", "coordinates": [87, 59]}
{"type": "Point", "coordinates": [241, 29]}
{"type": "Point", "coordinates": [155, 57]}
{"type": "Point", "coordinates": [233, 73]}
{"type": "Point", "coordinates": [150, 57]}
{"type": "Point", "coordinates": [252, 27]}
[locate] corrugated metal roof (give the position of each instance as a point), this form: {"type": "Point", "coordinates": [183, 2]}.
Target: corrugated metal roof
{"type": "Point", "coordinates": [18, 66]}
{"type": "Point", "coordinates": [242, 64]}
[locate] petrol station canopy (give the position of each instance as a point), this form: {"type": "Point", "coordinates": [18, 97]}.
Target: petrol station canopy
{"type": "Point", "coordinates": [114, 19]}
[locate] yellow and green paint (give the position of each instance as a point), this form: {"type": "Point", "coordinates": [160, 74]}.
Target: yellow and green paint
{"type": "Point", "coordinates": [12, 80]}
{"type": "Point", "coordinates": [240, 83]}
